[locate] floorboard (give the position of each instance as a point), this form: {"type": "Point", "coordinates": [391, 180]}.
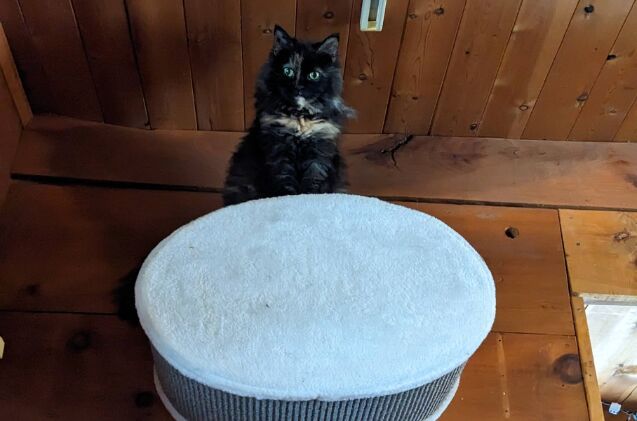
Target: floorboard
{"type": "Point", "coordinates": [70, 367]}
{"type": "Point", "coordinates": [521, 377]}
{"type": "Point", "coordinates": [75, 367]}
{"type": "Point", "coordinates": [66, 248]}
{"type": "Point", "coordinates": [601, 250]}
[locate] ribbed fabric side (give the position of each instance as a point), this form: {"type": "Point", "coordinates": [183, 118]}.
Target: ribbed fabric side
{"type": "Point", "coordinates": [198, 402]}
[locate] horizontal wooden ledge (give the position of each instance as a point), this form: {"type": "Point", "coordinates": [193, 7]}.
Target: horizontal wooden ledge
{"type": "Point", "coordinates": [494, 171]}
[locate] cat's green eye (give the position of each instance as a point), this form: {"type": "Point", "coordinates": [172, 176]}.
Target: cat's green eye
{"type": "Point", "coordinates": [314, 76]}
{"type": "Point", "coordinates": [288, 71]}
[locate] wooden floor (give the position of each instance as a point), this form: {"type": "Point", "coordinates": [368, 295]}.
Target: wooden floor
{"type": "Point", "coordinates": [81, 215]}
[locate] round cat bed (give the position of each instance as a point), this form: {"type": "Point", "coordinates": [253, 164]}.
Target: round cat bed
{"type": "Point", "coordinates": [314, 307]}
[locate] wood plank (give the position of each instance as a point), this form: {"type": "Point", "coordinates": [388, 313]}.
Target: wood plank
{"type": "Point", "coordinates": [10, 129]}
{"type": "Point", "coordinates": [91, 151]}
{"type": "Point", "coordinates": [109, 49]}
{"type": "Point", "coordinates": [628, 129]}
{"type": "Point", "coordinates": [614, 91]}
{"type": "Point", "coordinates": [57, 42]}
{"type": "Point", "coordinates": [586, 45]}
{"type": "Point", "coordinates": [531, 286]}
{"type": "Point", "coordinates": [559, 174]}
{"type": "Point", "coordinates": [593, 397]}
{"type": "Point", "coordinates": [600, 249]}
{"type": "Point", "coordinates": [536, 37]}
{"type": "Point", "coordinates": [430, 31]}
{"type": "Point", "coordinates": [12, 79]}
{"type": "Point", "coordinates": [160, 40]}
{"type": "Point", "coordinates": [214, 42]}
{"type": "Point", "coordinates": [483, 35]}
{"type": "Point", "coordinates": [578, 174]}
{"type": "Point", "coordinates": [25, 55]}
{"type": "Point", "coordinates": [315, 20]}
{"type": "Point", "coordinates": [521, 377]}
{"type": "Point", "coordinates": [371, 60]}
{"type": "Point", "coordinates": [257, 26]}
{"type": "Point", "coordinates": [612, 332]}
{"type": "Point", "coordinates": [73, 367]}
{"type": "Point", "coordinates": [91, 240]}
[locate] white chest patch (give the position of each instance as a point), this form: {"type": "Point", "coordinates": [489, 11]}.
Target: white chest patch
{"type": "Point", "coordinates": [302, 127]}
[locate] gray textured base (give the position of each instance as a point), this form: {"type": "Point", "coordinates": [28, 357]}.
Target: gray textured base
{"type": "Point", "coordinates": [194, 401]}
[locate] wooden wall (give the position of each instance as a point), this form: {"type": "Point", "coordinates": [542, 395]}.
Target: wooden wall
{"type": "Point", "coordinates": [541, 69]}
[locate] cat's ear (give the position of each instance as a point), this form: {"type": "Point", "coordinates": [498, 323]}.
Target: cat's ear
{"type": "Point", "coordinates": [329, 46]}
{"type": "Point", "coordinates": [281, 40]}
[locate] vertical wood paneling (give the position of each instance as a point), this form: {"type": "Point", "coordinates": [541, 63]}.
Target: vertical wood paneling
{"type": "Point", "coordinates": [430, 31]}
{"type": "Point", "coordinates": [257, 24]}
{"type": "Point", "coordinates": [628, 130]}
{"type": "Point", "coordinates": [615, 89]}
{"type": "Point", "coordinates": [588, 40]}
{"type": "Point", "coordinates": [159, 35]}
{"type": "Point", "coordinates": [317, 19]}
{"type": "Point", "coordinates": [537, 34]}
{"type": "Point", "coordinates": [371, 60]}
{"type": "Point", "coordinates": [214, 41]}
{"type": "Point", "coordinates": [104, 28]}
{"type": "Point", "coordinates": [57, 42]}
{"type": "Point", "coordinates": [484, 31]}
{"type": "Point", "coordinates": [25, 55]}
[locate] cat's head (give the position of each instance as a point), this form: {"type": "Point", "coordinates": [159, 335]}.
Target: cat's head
{"type": "Point", "coordinates": [301, 77]}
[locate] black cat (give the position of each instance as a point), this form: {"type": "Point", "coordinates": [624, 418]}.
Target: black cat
{"type": "Point", "coordinates": [292, 146]}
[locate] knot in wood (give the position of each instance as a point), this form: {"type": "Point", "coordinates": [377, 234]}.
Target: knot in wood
{"type": "Point", "coordinates": [567, 367]}
{"type": "Point", "coordinates": [439, 11]}
{"type": "Point", "coordinates": [79, 341]}
{"type": "Point", "coordinates": [328, 15]}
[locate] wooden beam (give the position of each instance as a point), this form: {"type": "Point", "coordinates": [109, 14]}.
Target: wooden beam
{"type": "Point", "coordinates": [591, 386]}
{"type": "Point", "coordinates": [466, 170]}
{"type": "Point", "coordinates": [10, 129]}
{"type": "Point", "coordinates": [7, 65]}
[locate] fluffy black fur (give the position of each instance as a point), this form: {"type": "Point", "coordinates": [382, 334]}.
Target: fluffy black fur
{"type": "Point", "coordinates": [292, 145]}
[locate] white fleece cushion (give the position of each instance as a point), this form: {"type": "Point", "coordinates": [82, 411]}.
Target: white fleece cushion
{"type": "Point", "coordinates": [327, 297]}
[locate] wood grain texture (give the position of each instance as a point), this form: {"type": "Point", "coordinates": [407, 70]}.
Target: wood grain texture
{"type": "Point", "coordinates": [483, 35]}
{"type": "Point", "coordinates": [532, 293]}
{"type": "Point", "coordinates": [536, 37]}
{"type": "Point", "coordinates": [578, 174]}
{"type": "Point", "coordinates": [10, 129]}
{"type": "Point", "coordinates": [521, 377]}
{"type": "Point", "coordinates": [614, 91]}
{"type": "Point", "coordinates": [76, 367]}
{"type": "Point", "coordinates": [108, 47]}
{"type": "Point", "coordinates": [587, 42]}
{"type": "Point", "coordinates": [573, 174]}
{"type": "Point", "coordinates": [315, 20]}
{"type": "Point", "coordinates": [601, 251]}
{"type": "Point", "coordinates": [57, 42]}
{"type": "Point", "coordinates": [430, 32]}
{"type": "Point", "coordinates": [25, 55]}
{"type": "Point", "coordinates": [159, 35]}
{"type": "Point", "coordinates": [257, 26]}
{"type": "Point", "coordinates": [214, 42]}
{"type": "Point", "coordinates": [11, 77]}
{"type": "Point", "coordinates": [591, 386]}
{"type": "Point", "coordinates": [102, 152]}
{"type": "Point", "coordinates": [628, 129]}
{"type": "Point", "coordinates": [90, 241]}
{"type": "Point", "coordinates": [371, 60]}
{"type": "Point", "coordinates": [612, 332]}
